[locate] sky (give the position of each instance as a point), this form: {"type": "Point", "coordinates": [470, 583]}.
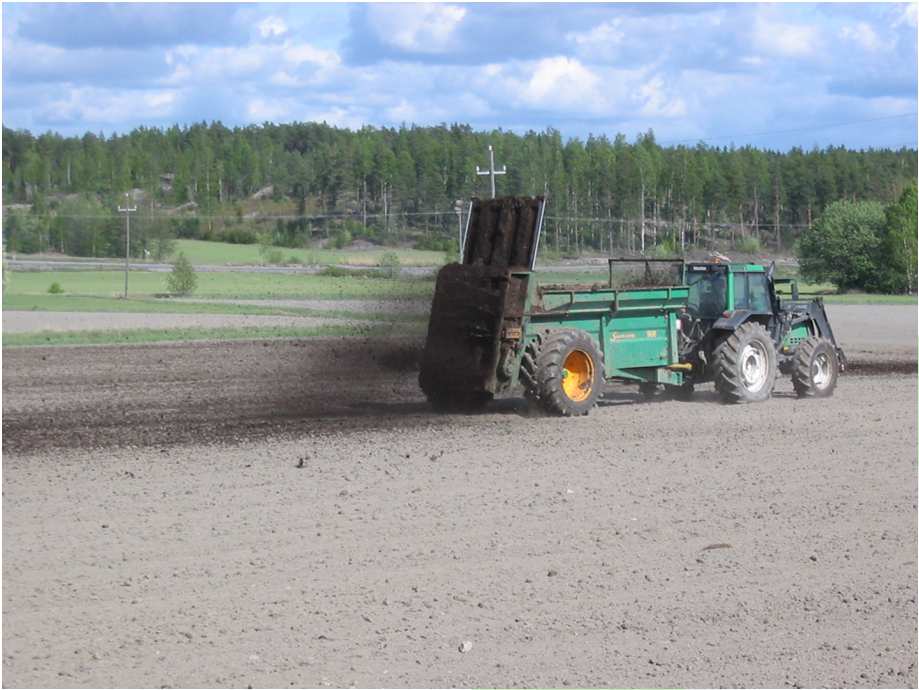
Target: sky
{"type": "Point", "coordinates": [769, 75]}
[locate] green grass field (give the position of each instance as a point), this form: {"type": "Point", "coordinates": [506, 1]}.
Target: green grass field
{"type": "Point", "coordinates": [145, 284]}
{"type": "Point", "coordinates": [222, 253]}
{"type": "Point", "coordinates": [222, 285]}
{"type": "Point", "coordinates": [203, 253]}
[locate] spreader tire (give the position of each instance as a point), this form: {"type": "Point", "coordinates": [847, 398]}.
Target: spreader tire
{"type": "Point", "coordinates": [815, 369]}
{"type": "Point", "coordinates": [569, 373]}
{"type": "Point", "coordinates": [528, 368]}
{"type": "Point", "coordinates": [745, 365]}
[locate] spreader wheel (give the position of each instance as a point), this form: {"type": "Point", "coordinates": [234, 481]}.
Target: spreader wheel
{"type": "Point", "coordinates": [745, 365]}
{"type": "Point", "coordinates": [569, 373]}
{"type": "Point", "coordinates": [815, 369]}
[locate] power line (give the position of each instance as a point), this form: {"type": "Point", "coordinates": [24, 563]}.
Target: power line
{"type": "Point", "coordinates": [789, 131]}
{"type": "Point", "coordinates": [651, 221]}
{"type": "Point", "coordinates": [557, 219]}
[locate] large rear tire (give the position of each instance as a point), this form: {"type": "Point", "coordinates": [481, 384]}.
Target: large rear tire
{"type": "Point", "coordinates": [815, 369]}
{"type": "Point", "coordinates": [568, 373]}
{"type": "Point", "coordinates": [745, 365]}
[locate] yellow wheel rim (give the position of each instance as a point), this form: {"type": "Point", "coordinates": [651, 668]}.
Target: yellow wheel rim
{"type": "Point", "coordinates": [578, 375]}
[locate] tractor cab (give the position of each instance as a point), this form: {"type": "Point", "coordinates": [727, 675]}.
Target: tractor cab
{"type": "Point", "coordinates": [716, 288]}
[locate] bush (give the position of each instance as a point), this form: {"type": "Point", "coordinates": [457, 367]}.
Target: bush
{"type": "Point", "coordinates": [897, 259]}
{"type": "Point", "coordinates": [55, 289]}
{"type": "Point", "coordinates": [238, 236]}
{"type": "Point", "coordinates": [435, 244]}
{"type": "Point", "coordinates": [666, 248]}
{"type": "Point", "coordinates": [273, 256]}
{"type": "Point", "coordinates": [842, 245]}
{"type": "Point", "coordinates": [336, 272]}
{"type": "Point", "coordinates": [342, 238]}
{"type": "Point", "coordinates": [294, 261]}
{"type": "Point", "coordinates": [451, 252]}
{"type": "Point", "coordinates": [389, 264]}
{"type": "Point", "coordinates": [188, 228]}
{"type": "Point", "coordinates": [182, 280]}
{"type": "Point", "coordinates": [748, 245]}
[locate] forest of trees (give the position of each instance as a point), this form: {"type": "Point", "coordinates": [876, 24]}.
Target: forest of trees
{"type": "Point", "coordinates": [314, 181]}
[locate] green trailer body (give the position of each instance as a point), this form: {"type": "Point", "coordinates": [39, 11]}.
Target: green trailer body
{"type": "Point", "coordinates": [635, 329]}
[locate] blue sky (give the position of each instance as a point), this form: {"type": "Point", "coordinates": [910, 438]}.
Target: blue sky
{"type": "Point", "coordinates": [772, 75]}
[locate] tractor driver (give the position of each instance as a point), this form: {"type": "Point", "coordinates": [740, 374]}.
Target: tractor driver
{"type": "Point", "coordinates": [712, 301]}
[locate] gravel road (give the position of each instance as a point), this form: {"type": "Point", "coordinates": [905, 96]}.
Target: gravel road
{"type": "Point", "coordinates": [159, 528]}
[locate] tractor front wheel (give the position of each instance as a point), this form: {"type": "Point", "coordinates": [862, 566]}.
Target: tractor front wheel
{"type": "Point", "coordinates": [745, 365]}
{"type": "Point", "coordinates": [815, 369]}
{"type": "Point", "coordinates": [568, 372]}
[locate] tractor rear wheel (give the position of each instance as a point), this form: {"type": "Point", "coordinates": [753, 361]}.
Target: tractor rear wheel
{"type": "Point", "coordinates": [745, 365]}
{"type": "Point", "coordinates": [569, 373]}
{"type": "Point", "coordinates": [815, 369]}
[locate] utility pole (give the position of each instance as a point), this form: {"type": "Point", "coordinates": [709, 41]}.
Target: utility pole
{"type": "Point", "coordinates": [491, 169]}
{"type": "Point", "coordinates": [459, 206]}
{"type": "Point", "coordinates": [127, 211]}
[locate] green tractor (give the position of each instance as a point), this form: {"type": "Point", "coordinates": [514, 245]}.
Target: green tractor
{"type": "Point", "coordinates": [494, 329]}
{"type": "Point", "coordinates": [737, 331]}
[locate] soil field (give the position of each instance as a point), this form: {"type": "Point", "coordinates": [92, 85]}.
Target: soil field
{"type": "Point", "coordinates": [31, 321]}
{"type": "Point", "coordinates": [290, 513]}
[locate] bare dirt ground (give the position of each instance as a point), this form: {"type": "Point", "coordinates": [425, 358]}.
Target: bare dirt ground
{"type": "Point", "coordinates": [31, 321]}
{"type": "Point", "coordinates": [158, 529]}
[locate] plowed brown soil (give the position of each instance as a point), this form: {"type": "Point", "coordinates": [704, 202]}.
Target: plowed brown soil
{"type": "Point", "coordinates": [291, 514]}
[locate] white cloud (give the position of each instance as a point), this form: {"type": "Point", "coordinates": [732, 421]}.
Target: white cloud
{"type": "Point", "coordinates": [658, 103]}
{"type": "Point", "coordinates": [402, 112]}
{"type": "Point", "coordinates": [907, 16]}
{"type": "Point", "coordinates": [272, 26]}
{"type": "Point", "coordinates": [604, 34]}
{"type": "Point", "coordinates": [288, 64]}
{"type": "Point", "coordinates": [338, 116]}
{"type": "Point", "coordinates": [785, 39]}
{"type": "Point", "coordinates": [298, 53]}
{"type": "Point", "coordinates": [260, 110]}
{"type": "Point", "coordinates": [283, 78]}
{"type": "Point", "coordinates": [862, 34]}
{"type": "Point", "coordinates": [422, 28]}
{"type": "Point", "coordinates": [559, 81]}
{"type": "Point", "coordinates": [110, 107]}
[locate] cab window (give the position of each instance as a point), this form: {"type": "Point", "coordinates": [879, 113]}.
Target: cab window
{"type": "Point", "coordinates": [707, 293]}
{"type": "Point", "coordinates": [751, 291]}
